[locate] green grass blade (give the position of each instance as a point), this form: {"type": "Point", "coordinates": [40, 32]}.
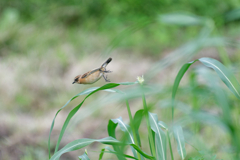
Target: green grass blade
{"type": "Point", "coordinates": [178, 134]}
{"type": "Point", "coordinates": [114, 152]}
{"type": "Point", "coordinates": [127, 130]}
{"type": "Point", "coordinates": [177, 81]}
{"type": "Point", "coordinates": [137, 121]}
{"type": "Point", "coordinates": [90, 91]}
{"type": "Point", "coordinates": [73, 111]}
{"type": "Point", "coordinates": [226, 76]}
{"type": "Point", "coordinates": [111, 132]}
{"type": "Point", "coordinates": [87, 91]}
{"type": "Point", "coordinates": [160, 137]}
{"type": "Point", "coordinates": [80, 143]}
{"type": "Point", "coordinates": [84, 157]}
{"type": "Point", "coordinates": [144, 154]}
{"type": "Point", "coordinates": [101, 154]}
{"type": "Point", "coordinates": [232, 15]}
{"type": "Point", "coordinates": [181, 19]}
{"type": "Point", "coordinates": [163, 125]}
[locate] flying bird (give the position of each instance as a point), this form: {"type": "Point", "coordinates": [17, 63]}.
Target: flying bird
{"type": "Point", "coordinates": [94, 75]}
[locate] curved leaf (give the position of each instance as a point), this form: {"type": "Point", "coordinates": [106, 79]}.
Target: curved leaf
{"type": "Point", "coordinates": [114, 152]}
{"type": "Point", "coordinates": [226, 76]}
{"type": "Point", "coordinates": [178, 134]}
{"type": "Point", "coordinates": [181, 19]}
{"type": "Point", "coordinates": [144, 154]}
{"type": "Point", "coordinates": [177, 81]}
{"type": "Point", "coordinates": [101, 154]}
{"type": "Point", "coordinates": [80, 143]}
{"type": "Point", "coordinates": [127, 130]}
{"type": "Point", "coordinates": [89, 91]}
{"type": "Point", "coordinates": [163, 125]}
{"type": "Point", "coordinates": [160, 137]}
{"type": "Point", "coordinates": [111, 132]}
{"type": "Point", "coordinates": [137, 121]}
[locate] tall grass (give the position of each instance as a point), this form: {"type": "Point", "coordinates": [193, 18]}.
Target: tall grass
{"type": "Point", "coordinates": [158, 132]}
{"type": "Point", "coordinates": [160, 136]}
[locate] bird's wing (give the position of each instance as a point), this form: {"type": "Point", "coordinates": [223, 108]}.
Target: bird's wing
{"type": "Point", "coordinates": [85, 75]}
{"type": "Point", "coordinates": [95, 70]}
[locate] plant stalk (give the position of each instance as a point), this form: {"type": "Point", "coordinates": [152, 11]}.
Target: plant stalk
{"type": "Point", "coordinates": [148, 124]}
{"type": "Point", "coordinates": [133, 128]}
{"type": "Point", "coordinates": [170, 145]}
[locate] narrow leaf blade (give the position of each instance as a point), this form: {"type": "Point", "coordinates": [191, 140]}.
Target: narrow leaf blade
{"type": "Point", "coordinates": [137, 121]}
{"type": "Point", "coordinates": [80, 143]}
{"type": "Point", "coordinates": [160, 137]}
{"type": "Point", "coordinates": [177, 81]}
{"type": "Point", "coordinates": [127, 130]}
{"type": "Point", "coordinates": [226, 76]}
{"type": "Point", "coordinates": [178, 134]}
{"type": "Point", "coordinates": [89, 91]}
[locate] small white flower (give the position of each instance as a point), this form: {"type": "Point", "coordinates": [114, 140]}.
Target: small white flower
{"type": "Point", "coordinates": [140, 79]}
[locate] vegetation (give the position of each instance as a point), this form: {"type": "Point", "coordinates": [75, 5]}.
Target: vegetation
{"type": "Point", "coordinates": [156, 136]}
{"type": "Point", "coordinates": [43, 45]}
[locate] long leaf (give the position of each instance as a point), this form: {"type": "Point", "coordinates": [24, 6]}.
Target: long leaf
{"type": "Point", "coordinates": [226, 76]}
{"type": "Point", "coordinates": [160, 137]}
{"type": "Point", "coordinates": [101, 154]}
{"type": "Point", "coordinates": [116, 153]}
{"type": "Point", "coordinates": [178, 134]}
{"type": "Point", "coordinates": [144, 154]}
{"type": "Point", "coordinates": [90, 91]}
{"type": "Point", "coordinates": [177, 81]}
{"type": "Point", "coordinates": [127, 130]}
{"type": "Point", "coordinates": [163, 125]}
{"type": "Point", "coordinates": [87, 91]}
{"type": "Point", "coordinates": [137, 121]}
{"type": "Point", "coordinates": [80, 143]}
{"type": "Point", "coordinates": [111, 132]}
{"type": "Point", "coordinates": [182, 19]}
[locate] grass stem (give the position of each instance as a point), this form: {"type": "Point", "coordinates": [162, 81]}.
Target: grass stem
{"type": "Point", "coordinates": [133, 127]}
{"type": "Point", "coordinates": [170, 145]}
{"type": "Point", "coordinates": [148, 124]}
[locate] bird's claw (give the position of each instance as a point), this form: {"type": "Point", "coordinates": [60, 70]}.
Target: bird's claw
{"type": "Point", "coordinates": [107, 80]}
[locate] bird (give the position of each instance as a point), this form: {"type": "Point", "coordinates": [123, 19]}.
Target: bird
{"type": "Point", "coordinates": [94, 75]}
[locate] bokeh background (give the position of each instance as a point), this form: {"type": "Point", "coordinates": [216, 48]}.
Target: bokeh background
{"type": "Point", "coordinates": [45, 44]}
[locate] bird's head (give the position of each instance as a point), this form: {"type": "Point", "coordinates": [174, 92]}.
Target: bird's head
{"type": "Point", "coordinates": [76, 79]}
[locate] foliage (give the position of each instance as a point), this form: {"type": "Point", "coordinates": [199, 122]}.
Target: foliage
{"type": "Point", "coordinates": [157, 137]}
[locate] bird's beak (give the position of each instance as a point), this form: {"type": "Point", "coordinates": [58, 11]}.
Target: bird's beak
{"type": "Point", "coordinates": [73, 82]}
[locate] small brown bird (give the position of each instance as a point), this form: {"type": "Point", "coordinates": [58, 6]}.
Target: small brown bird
{"type": "Point", "coordinates": [93, 75]}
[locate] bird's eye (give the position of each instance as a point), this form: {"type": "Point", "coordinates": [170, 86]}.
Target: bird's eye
{"type": "Point", "coordinates": [76, 79]}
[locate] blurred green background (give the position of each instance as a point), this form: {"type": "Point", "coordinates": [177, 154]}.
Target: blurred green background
{"type": "Point", "coordinates": [45, 44]}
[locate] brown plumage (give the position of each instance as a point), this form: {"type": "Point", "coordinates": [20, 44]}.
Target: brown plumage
{"type": "Point", "coordinates": [93, 75]}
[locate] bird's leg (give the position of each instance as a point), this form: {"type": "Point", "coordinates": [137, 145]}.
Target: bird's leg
{"type": "Point", "coordinates": [107, 71]}
{"type": "Point", "coordinates": [107, 80]}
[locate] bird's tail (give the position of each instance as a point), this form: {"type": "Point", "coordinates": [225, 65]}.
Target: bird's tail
{"type": "Point", "coordinates": [106, 63]}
